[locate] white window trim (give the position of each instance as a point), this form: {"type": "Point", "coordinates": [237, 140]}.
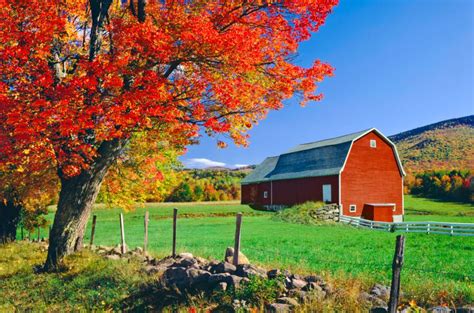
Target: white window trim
{"type": "Point", "coordinates": [265, 194]}
{"type": "Point", "coordinates": [352, 208]}
{"type": "Point", "coordinates": [373, 143]}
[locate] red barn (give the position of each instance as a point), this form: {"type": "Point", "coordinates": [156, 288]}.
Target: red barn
{"type": "Point", "coordinates": [361, 172]}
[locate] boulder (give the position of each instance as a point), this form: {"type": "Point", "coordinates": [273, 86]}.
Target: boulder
{"type": "Point", "coordinates": [380, 291]}
{"type": "Point", "coordinates": [229, 256]}
{"type": "Point", "coordinates": [198, 276]}
{"type": "Point", "coordinates": [278, 308]}
{"type": "Point", "coordinates": [272, 274]}
{"type": "Point", "coordinates": [298, 283]}
{"type": "Point", "coordinates": [223, 267]}
{"type": "Point", "coordinates": [287, 300]}
{"type": "Point", "coordinates": [314, 279]}
{"type": "Point", "coordinates": [177, 276]}
{"type": "Point", "coordinates": [222, 286]}
{"type": "Point", "coordinates": [186, 255]}
{"type": "Point", "coordinates": [247, 270]}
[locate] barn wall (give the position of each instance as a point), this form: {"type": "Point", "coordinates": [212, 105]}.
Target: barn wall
{"type": "Point", "coordinates": [294, 191]}
{"type": "Point", "coordinates": [291, 191]}
{"type": "Point", "coordinates": [371, 175]}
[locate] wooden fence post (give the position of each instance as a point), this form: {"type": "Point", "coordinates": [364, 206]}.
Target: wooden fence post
{"type": "Point", "coordinates": [396, 271]}
{"type": "Point", "coordinates": [145, 243]}
{"type": "Point", "coordinates": [122, 234]}
{"type": "Point", "coordinates": [238, 223]}
{"type": "Point", "coordinates": [94, 220]}
{"type": "Point", "coordinates": [175, 217]}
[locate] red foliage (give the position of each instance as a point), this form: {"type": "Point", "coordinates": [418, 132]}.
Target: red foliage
{"type": "Point", "coordinates": [221, 65]}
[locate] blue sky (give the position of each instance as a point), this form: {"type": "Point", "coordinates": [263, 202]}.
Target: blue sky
{"type": "Point", "coordinates": [399, 64]}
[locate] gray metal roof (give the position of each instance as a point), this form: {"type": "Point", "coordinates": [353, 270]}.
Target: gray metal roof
{"type": "Point", "coordinates": [320, 158]}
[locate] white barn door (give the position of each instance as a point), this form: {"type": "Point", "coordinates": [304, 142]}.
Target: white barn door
{"type": "Point", "coordinates": [327, 193]}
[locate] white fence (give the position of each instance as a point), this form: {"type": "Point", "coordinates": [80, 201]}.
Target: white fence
{"type": "Point", "coordinates": [453, 229]}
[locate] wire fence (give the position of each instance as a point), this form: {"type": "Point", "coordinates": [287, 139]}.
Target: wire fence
{"type": "Point", "coordinates": [278, 252]}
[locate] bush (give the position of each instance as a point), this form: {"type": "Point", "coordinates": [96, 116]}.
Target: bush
{"type": "Point", "coordinates": [301, 213]}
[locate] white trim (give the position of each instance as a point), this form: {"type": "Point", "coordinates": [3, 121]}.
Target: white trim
{"type": "Point", "coordinates": [373, 143]}
{"type": "Point", "coordinates": [265, 194]}
{"type": "Point", "coordinates": [339, 191]}
{"type": "Point", "coordinates": [352, 206]}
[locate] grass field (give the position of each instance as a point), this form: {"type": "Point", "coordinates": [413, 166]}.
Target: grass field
{"type": "Point", "coordinates": [434, 263]}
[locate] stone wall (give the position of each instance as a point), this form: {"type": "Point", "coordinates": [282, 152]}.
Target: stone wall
{"type": "Point", "coordinates": [329, 212]}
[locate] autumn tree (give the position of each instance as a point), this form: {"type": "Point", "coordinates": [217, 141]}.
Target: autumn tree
{"type": "Point", "coordinates": [145, 172]}
{"type": "Point", "coordinates": [25, 194]}
{"type": "Point", "coordinates": [82, 76]}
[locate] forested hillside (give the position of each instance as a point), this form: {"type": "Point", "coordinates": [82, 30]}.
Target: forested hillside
{"type": "Point", "coordinates": [445, 145]}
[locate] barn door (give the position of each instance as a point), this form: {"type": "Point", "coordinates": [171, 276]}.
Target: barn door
{"type": "Point", "coordinates": [327, 193]}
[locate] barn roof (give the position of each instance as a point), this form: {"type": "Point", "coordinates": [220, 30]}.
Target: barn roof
{"type": "Point", "coordinates": [320, 158]}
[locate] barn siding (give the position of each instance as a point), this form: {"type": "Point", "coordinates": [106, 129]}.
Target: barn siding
{"type": "Point", "coordinates": [291, 191]}
{"type": "Point", "coordinates": [371, 176]}
{"type": "Point", "coordinates": [294, 191]}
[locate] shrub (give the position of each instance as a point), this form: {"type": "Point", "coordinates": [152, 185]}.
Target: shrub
{"type": "Point", "coordinates": [301, 213]}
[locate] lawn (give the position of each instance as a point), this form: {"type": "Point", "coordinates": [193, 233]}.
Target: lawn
{"type": "Point", "coordinates": [422, 209]}
{"type": "Point", "coordinates": [434, 263]}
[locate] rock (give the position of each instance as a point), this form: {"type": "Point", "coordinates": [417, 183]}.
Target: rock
{"type": "Point", "coordinates": [380, 291]}
{"type": "Point", "coordinates": [299, 294]}
{"type": "Point", "coordinates": [223, 267]}
{"type": "Point", "coordinates": [229, 256]}
{"type": "Point", "coordinates": [176, 276]}
{"type": "Point", "coordinates": [278, 308]}
{"type": "Point", "coordinates": [298, 283]}
{"type": "Point", "coordinates": [138, 250]}
{"type": "Point", "coordinates": [222, 286]}
{"type": "Point", "coordinates": [198, 276]}
{"type": "Point", "coordinates": [290, 301]}
{"type": "Point", "coordinates": [379, 310]}
{"type": "Point", "coordinates": [113, 257]}
{"type": "Point", "coordinates": [272, 274]}
{"type": "Point", "coordinates": [365, 297]}
{"type": "Point", "coordinates": [186, 255]}
{"type": "Point", "coordinates": [186, 262]}
{"type": "Point", "coordinates": [313, 286]}
{"type": "Point", "coordinates": [235, 281]}
{"type": "Point", "coordinates": [150, 269]}
{"type": "Point", "coordinates": [314, 279]}
{"type": "Point", "coordinates": [439, 309]}
{"type": "Point", "coordinates": [219, 278]}
{"type": "Point", "coordinates": [247, 270]}
{"type": "Point", "coordinates": [327, 288]}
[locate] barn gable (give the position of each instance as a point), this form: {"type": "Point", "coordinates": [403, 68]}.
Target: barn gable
{"type": "Point", "coordinates": [314, 159]}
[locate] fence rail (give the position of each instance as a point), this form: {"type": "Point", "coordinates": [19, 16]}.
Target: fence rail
{"type": "Point", "coordinates": [442, 228]}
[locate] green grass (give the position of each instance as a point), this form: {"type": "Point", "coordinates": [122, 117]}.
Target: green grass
{"type": "Point", "coordinates": [91, 283]}
{"type": "Point", "coordinates": [434, 264]}
{"type": "Point", "coordinates": [436, 210]}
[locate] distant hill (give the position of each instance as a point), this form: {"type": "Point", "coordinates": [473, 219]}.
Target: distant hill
{"type": "Point", "coordinates": [444, 145]}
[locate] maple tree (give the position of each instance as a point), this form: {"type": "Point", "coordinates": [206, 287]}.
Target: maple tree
{"type": "Point", "coordinates": [80, 77]}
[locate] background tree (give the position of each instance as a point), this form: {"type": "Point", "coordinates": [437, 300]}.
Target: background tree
{"type": "Point", "coordinates": [145, 172]}
{"type": "Point", "coordinates": [82, 76]}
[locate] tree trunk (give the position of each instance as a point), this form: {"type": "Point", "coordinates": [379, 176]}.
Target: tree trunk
{"type": "Point", "coordinates": [9, 219]}
{"type": "Point", "coordinates": [76, 198]}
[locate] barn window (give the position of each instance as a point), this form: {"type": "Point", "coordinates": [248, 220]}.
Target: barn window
{"type": "Point", "coordinates": [352, 208]}
{"type": "Point", "coordinates": [373, 143]}
{"type": "Point", "coordinates": [265, 194]}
